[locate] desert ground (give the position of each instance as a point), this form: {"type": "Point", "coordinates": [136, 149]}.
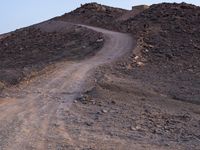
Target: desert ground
{"type": "Point", "coordinates": [103, 78]}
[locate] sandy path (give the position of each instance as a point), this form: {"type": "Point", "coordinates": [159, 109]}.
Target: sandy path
{"type": "Point", "coordinates": [31, 118]}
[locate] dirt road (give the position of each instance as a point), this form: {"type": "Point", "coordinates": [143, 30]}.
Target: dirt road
{"type": "Point", "coordinates": [31, 115]}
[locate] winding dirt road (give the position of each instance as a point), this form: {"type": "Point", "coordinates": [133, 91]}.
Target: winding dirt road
{"type": "Point", "coordinates": [31, 116]}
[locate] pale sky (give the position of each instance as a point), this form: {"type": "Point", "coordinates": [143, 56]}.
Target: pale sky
{"type": "Point", "coordinates": [16, 14]}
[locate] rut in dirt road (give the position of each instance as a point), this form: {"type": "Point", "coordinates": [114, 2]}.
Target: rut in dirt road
{"type": "Point", "coordinates": [31, 118]}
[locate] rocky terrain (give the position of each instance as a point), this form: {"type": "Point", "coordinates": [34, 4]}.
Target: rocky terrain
{"type": "Point", "coordinates": [169, 46]}
{"type": "Point", "coordinates": [26, 51]}
{"type": "Point", "coordinates": [157, 79]}
{"type": "Point", "coordinates": [132, 13]}
{"type": "Point", "coordinates": [95, 14]}
{"type": "Point", "coordinates": [142, 94]}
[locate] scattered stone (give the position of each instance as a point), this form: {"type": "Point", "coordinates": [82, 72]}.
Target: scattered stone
{"type": "Point", "coordinates": [93, 102]}
{"type": "Point", "coordinates": [133, 128]}
{"type": "Point", "coordinates": [100, 104]}
{"type": "Point", "coordinates": [56, 125]}
{"type": "Point", "coordinates": [136, 57]}
{"type": "Point", "coordinates": [158, 131]}
{"type": "Point", "coordinates": [140, 64]}
{"type": "Point", "coordinates": [138, 127]}
{"type": "Point", "coordinates": [98, 113]}
{"type": "Point", "coordinates": [104, 111]}
{"type": "Point", "coordinates": [1, 86]}
{"type": "Point", "coordinates": [113, 102]}
{"type": "Point", "coordinates": [158, 126]}
{"type": "Point", "coordinates": [100, 40]}
{"type": "Point", "coordinates": [89, 123]}
{"type": "Point", "coordinates": [75, 101]}
{"type": "Point", "coordinates": [129, 67]}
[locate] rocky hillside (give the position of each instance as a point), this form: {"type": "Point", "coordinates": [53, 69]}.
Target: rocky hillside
{"type": "Point", "coordinates": [146, 99]}
{"type": "Point", "coordinates": [94, 14]}
{"type": "Point", "coordinates": [144, 96]}
{"type": "Point", "coordinates": [170, 35]}
{"type": "Point", "coordinates": [30, 49]}
{"type": "Point", "coordinates": [167, 36]}
{"type": "Point", "coordinates": [169, 50]}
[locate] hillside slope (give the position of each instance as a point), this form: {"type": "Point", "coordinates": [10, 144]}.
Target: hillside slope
{"type": "Point", "coordinates": [168, 43]}
{"type": "Point", "coordinates": [39, 115]}
{"type": "Point", "coordinates": [140, 91]}
{"type": "Point", "coordinates": [94, 14]}
{"type": "Point", "coordinates": [150, 97]}
{"type": "Point", "coordinates": [26, 51]}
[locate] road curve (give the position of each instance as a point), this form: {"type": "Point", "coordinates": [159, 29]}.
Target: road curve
{"type": "Point", "coordinates": [31, 117]}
